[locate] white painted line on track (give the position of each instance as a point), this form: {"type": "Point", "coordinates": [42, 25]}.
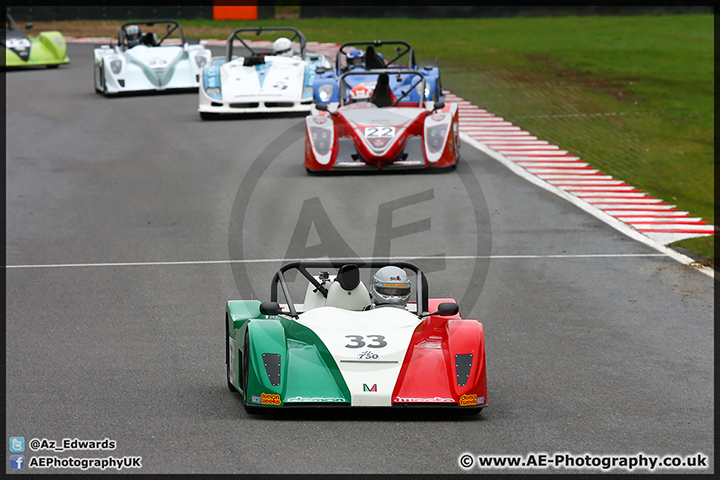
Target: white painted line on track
{"type": "Point", "coordinates": [646, 213]}
{"type": "Point", "coordinates": [286, 260]}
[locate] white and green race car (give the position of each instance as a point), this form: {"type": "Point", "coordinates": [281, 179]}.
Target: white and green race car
{"type": "Point", "coordinates": [146, 61]}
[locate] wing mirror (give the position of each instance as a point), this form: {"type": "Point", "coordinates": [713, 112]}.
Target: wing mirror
{"type": "Point", "coordinates": [323, 107]}
{"type": "Point", "coordinates": [270, 308]}
{"type": "Point", "coordinates": [446, 309]}
{"type": "Point", "coordinates": [28, 26]}
{"type": "Point", "coordinates": [439, 105]}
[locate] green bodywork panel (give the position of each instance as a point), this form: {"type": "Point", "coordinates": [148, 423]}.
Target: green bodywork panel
{"type": "Point", "coordinates": [308, 373]}
{"type": "Point", "coordinates": [48, 48]}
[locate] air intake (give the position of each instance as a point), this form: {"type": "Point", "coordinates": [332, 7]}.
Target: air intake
{"type": "Point", "coordinates": [272, 367]}
{"type": "Point", "coordinates": [463, 364]}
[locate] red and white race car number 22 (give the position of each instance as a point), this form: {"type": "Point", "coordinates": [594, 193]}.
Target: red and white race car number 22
{"type": "Point", "coordinates": [376, 132]}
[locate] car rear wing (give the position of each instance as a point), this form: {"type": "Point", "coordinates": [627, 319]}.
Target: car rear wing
{"type": "Point", "coordinates": [372, 60]}
{"type": "Point", "coordinates": [297, 36]}
{"type": "Point", "coordinates": [421, 284]}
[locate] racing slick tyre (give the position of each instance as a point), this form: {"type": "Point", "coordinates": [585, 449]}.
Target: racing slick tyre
{"type": "Point", "coordinates": [208, 116]}
{"type": "Point", "coordinates": [227, 357]}
{"type": "Point", "coordinates": [469, 412]}
{"type": "Point", "coordinates": [102, 79]}
{"type": "Point", "coordinates": [95, 80]}
{"type": "Point", "coordinates": [245, 367]}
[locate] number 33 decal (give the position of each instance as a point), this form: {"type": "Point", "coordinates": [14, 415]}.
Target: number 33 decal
{"type": "Point", "coordinates": [357, 341]}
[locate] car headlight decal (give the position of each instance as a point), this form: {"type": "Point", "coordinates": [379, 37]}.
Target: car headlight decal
{"type": "Point", "coordinates": [325, 92]}
{"type": "Point", "coordinates": [211, 82]}
{"type": "Point", "coordinates": [272, 367]}
{"type": "Point", "coordinates": [309, 80]}
{"type": "Point", "coordinates": [463, 364]}
{"type": "Point", "coordinates": [435, 137]}
{"type": "Point", "coordinates": [200, 61]}
{"type": "Point", "coordinates": [321, 139]}
{"type": "Point", "coordinates": [115, 65]}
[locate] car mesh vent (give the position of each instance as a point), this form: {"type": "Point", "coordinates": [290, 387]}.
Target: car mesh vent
{"type": "Point", "coordinates": [272, 367]}
{"type": "Point", "coordinates": [279, 104]}
{"type": "Point", "coordinates": [245, 105]}
{"type": "Point", "coordinates": [463, 364]}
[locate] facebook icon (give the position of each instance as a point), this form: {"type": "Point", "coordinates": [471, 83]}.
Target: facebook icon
{"type": "Point", "coordinates": [17, 462]}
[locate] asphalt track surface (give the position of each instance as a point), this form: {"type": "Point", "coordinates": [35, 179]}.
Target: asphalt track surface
{"type": "Point", "coordinates": [130, 223]}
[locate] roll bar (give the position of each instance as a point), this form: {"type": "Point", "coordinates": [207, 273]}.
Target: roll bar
{"type": "Point", "coordinates": [296, 36]}
{"type": "Point", "coordinates": [421, 287]}
{"type": "Point", "coordinates": [176, 26]}
{"type": "Point", "coordinates": [402, 49]}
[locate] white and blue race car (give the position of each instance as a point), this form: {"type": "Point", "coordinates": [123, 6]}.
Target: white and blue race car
{"type": "Point", "coordinates": [146, 62]}
{"type": "Point", "coordinates": [260, 81]}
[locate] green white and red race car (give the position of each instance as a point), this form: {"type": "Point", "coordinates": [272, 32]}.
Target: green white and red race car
{"type": "Point", "coordinates": [333, 350]}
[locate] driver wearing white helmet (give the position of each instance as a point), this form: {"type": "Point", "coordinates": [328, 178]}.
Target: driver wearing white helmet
{"type": "Point", "coordinates": [133, 35]}
{"type": "Point", "coordinates": [390, 287]}
{"type": "Point", "coordinates": [283, 47]}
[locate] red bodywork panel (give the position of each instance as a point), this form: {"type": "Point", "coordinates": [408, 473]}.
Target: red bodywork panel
{"type": "Point", "coordinates": [429, 374]}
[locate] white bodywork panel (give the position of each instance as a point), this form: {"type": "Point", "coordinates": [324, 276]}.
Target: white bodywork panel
{"type": "Point", "coordinates": [369, 347]}
{"type": "Point", "coordinates": [277, 85]}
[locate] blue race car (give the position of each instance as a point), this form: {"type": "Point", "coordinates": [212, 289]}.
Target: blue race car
{"type": "Point", "coordinates": [377, 54]}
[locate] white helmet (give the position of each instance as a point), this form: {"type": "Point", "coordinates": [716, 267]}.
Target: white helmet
{"type": "Point", "coordinates": [133, 34]}
{"type": "Point", "coordinates": [391, 286]}
{"type": "Point", "coordinates": [283, 46]}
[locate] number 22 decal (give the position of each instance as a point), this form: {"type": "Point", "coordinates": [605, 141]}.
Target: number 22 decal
{"type": "Point", "coordinates": [380, 132]}
{"type": "Point", "coordinates": [357, 341]}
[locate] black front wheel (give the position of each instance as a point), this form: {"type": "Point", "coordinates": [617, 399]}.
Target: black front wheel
{"type": "Point", "coordinates": [245, 369]}
{"type": "Point", "coordinates": [208, 116]}
{"type": "Point", "coordinates": [227, 356]}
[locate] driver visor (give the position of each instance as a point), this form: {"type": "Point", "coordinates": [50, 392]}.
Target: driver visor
{"type": "Point", "coordinates": [396, 289]}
